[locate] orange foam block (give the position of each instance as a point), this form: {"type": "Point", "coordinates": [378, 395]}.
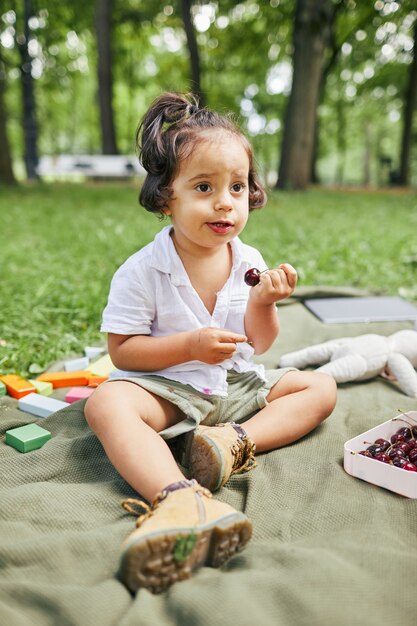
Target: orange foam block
{"type": "Point", "coordinates": [78, 378]}
{"type": "Point", "coordinates": [95, 381]}
{"type": "Point", "coordinates": [16, 386]}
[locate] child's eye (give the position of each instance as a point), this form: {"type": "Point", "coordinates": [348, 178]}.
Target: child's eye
{"type": "Point", "coordinates": [237, 187]}
{"type": "Point", "coordinates": [203, 187]}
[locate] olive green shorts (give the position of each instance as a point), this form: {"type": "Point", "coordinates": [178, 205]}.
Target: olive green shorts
{"type": "Point", "coordinates": [246, 395]}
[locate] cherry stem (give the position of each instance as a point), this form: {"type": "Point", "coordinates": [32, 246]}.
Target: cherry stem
{"type": "Point", "coordinates": [409, 424]}
{"type": "Point", "coordinates": [405, 414]}
{"type": "Point", "coordinates": [399, 419]}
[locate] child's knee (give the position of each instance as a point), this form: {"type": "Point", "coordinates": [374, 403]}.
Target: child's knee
{"type": "Point", "coordinates": [326, 389]}
{"type": "Point", "coordinates": [94, 408]}
{"type": "Point", "coordinates": [90, 409]}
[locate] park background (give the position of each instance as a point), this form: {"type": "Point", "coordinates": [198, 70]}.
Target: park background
{"type": "Point", "coordinates": [325, 89]}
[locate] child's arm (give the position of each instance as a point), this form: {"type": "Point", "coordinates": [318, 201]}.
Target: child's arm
{"type": "Point", "coordinates": [149, 354]}
{"type": "Point", "coordinates": [261, 317]}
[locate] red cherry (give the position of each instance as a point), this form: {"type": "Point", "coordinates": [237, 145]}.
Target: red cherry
{"type": "Point", "coordinates": [383, 443]}
{"type": "Point", "coordinates": [410, 467]}
{"type": "Point", "coordinates": [393, 452]}
{"type": "Point", "coordinates": [397, 437]}
{"type": "Point", "coordinates": [384, 458]}
{"type": "Point", "coordinates": [252, 277]}
{"type": "Point", "coordinates": [405, 446]}
{"type": "Point", "coordinates": [375, 449]}
{"type": "Point", "coordinates": [413, 455]}
{"type": "Point", "coordinates": [405, 431]}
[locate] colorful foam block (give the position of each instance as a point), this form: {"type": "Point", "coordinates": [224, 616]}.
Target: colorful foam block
{"type": "Point", "coordinates": [66, 379]}
{"type": "Point", "coordinates": [40, 405]}
{"type": "Point", "coordinates": [102, 367]}
{"type": "Point", "coordinates": [28, 437]}
{"type": "Point", "coordinates": [16, 386]}
{"type": "Point", "coordinates": [95, 381]}
{"type": "Point", "coordinates": [76, 364]}
{"type": "Point", "coordinates": [93, 352]}
{"type": "Point", "coordinates": [78, 393]}
{"type": "Point", "coordinates": [45, 389]}
{"type": "Point", "coordinates": [2, 389]}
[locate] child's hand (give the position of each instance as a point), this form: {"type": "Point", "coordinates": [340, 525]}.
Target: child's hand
{"type": "Point", "coordinates": [275, 285]}
{"type": "Point", "coordinates": [214, 345]}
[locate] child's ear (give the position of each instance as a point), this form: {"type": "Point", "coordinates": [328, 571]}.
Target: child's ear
{"type": "Point", "coordinates": [166, 211]}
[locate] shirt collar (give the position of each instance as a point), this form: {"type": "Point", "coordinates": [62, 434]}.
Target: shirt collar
{"type": "Point", "coordinates": [165, 258]}
{"type": "Point", "coordinates": [240, 254]}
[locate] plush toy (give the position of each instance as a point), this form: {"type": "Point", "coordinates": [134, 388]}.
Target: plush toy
{"type": "Point", "coordinates": [363, 357]}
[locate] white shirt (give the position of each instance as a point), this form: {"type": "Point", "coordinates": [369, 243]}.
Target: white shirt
{"type": "Point", "coordinates": [151, 294]}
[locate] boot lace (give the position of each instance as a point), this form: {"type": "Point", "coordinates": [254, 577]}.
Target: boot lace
{"type": "Point", "coordinates": [243, 451]}
{"type": "Point", "coordinates": [144, 511]}
{"type": "Point", "coordinates": [140, 509]}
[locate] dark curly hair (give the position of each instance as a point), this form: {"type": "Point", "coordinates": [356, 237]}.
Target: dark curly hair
{"type": "Point", "coordinates": [168, 133]}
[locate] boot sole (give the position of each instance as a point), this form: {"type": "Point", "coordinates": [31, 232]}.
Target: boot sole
{"type": "Point", "coordinates": [150, 562]}
{"type": "Point", "coordinates": [205, 462]}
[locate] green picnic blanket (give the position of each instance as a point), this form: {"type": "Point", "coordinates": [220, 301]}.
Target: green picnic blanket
{"type": "Point", "coordinates": [328, 549]}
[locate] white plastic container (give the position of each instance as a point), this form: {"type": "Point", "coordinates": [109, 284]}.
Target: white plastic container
{"type": "Point", "coordinates": [388, 476]}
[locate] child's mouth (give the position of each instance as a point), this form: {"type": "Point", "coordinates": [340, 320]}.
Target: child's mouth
{"type": "Point", "coordinates": [220, 227]}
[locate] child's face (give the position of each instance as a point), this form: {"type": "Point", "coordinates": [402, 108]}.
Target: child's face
{"type": "Point", "coordinates": [210, 200]}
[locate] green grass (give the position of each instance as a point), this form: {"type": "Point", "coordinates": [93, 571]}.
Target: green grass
{"type": "Point", "coordinates": [60, 245]}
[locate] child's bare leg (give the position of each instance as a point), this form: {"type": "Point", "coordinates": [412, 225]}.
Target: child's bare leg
{"type": "Point", "coordinates": [298, 403]}
{"type": "Point", "coordinates": [185, 527]}
{"type": "Point", "coordinates": [126, 418]}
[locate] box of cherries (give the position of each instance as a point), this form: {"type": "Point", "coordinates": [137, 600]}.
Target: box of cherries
{"type": "Point", "coordinates": [386, 455]}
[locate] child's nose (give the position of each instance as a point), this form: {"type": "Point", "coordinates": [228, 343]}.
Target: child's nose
{"type": "Point", "coordinates": [223, 202]}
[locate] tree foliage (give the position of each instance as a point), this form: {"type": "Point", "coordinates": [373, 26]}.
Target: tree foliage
{"type": "Point", "coordinates": [245, 56]}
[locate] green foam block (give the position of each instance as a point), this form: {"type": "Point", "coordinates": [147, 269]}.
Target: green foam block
{"type": "Point", "coordinates": [45, 389]}
{"type": "Point", "coordinates": [27, 438]}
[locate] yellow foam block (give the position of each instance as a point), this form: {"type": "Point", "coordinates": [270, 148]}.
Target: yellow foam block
{"type": "Point", "coordinates": [42, 387]}
{"type": "Point", "coordinates": [102, 367]}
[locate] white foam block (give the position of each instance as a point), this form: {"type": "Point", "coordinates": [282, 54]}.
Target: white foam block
{"type": "Point", "coordinates": [76, 364]}
{"type": "Point", "coordinates": [93, 352]}
{"type": "Point", "coordinates": [41, 406]}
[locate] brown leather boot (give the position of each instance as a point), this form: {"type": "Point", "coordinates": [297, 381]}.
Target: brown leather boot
{"type": "Point", "coordinates": [184, 528]}
{"type": "Point", "coordinates": [217, 452]}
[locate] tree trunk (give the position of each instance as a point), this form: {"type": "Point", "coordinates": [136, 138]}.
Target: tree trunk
{"type": "Point", "coordinates": [6, 169]}
{"type": "Point", "coordinates": [341, 141]}
{"type": "Point", "coordinates": [314, 177]}
{"type": "Point", "coordinates": [367, 153]}
{"type": "Point", "coordinates": [310, 38]}
{"type": "Point", "coordinates": [105, 77]}
{"type": "Point", "coordinates": [409, 106]}
{"type": "Point", "coordinates": [334, 55]}
{"type": "Point", "coordinates": [30, 129]}
{"type": "Point", "coordinates": [193, 51]}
